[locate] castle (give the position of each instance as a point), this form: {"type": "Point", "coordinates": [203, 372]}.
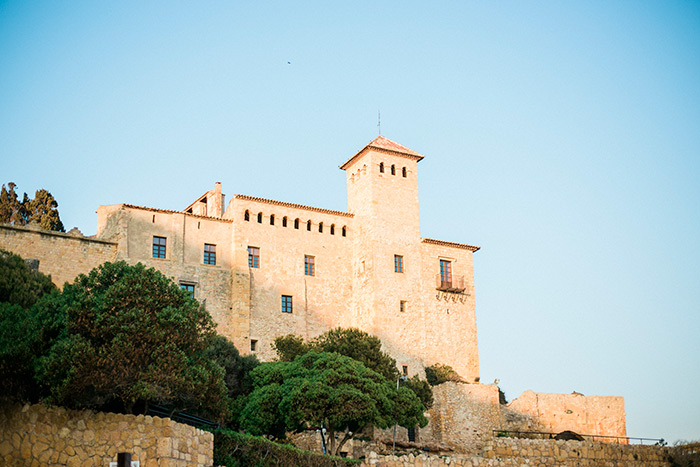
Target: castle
{"type": "Point", "coordinates": [266, 268]}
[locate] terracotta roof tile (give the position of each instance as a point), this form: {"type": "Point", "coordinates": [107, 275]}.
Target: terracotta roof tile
{"type": "Point", "coordinates": [293, 205]}
{"type": "Point", "coordinates": [168, 211]}
{"type": "Point", "coordinates": [385, 144]}
{"type": "Point", "coordinates": [463, 246]}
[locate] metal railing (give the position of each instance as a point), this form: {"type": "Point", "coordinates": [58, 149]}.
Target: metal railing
{"type": "Point", "coordinates": [450, 283]}
{"type": "Point", "coordinates": [181, 417]}
{"type": "Point", "coordinates": [595, 438]}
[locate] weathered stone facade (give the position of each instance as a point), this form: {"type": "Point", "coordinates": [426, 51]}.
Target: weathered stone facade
{"type": "Point", "coordinates": [39, 436]}
{"type": "Point", "coordinates": [592, 415]}
{"type": "Point", "coordinates": [61, 255]}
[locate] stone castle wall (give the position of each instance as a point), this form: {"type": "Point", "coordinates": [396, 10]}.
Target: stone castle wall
{"type": "Point", "coordinates": [133, 229]}
{"type": "Point", "coordinates": [61, 255]}
{"type": "Point", "coordinates": [464, 416]}
{"type": "Point", "coordinates": [319, 301]}
{"type": "Point", "coordinates": [504, 452]}
{"type": "Point", "coordinates": [589, 415]}
{"type": "Point", "coordinates": [37, 435]}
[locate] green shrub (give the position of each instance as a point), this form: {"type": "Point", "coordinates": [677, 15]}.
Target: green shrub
{"type": "Point", "coordinates": [439, 373]}
{"type": "Point", "coordinates": [232, 449]}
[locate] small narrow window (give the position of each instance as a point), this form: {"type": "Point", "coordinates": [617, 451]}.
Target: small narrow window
{"type": "Point", "coordinates": [398, 263]}
{"type": "Point", "coordinates": [246, 216]}
{"type": "Point", "coordinates": [381, 167]}
{"type": "Point", "coordinates": [253, 257]}
{"type": "Point", "coordinates": [209, 254]}
{"type": "Point", "coordinates": [260, 218]}
{"type": "Point", "coordinates": [154, 218]}
{"type": "Point", "coordinates": [308, 225]}
{"type": "Point", "coordinates": [332, 229]}
{"type": "Point", "coordinates": [412, 435]}
{"type": "Point", "coordinates": [404, 370]}
{"type": "Point", "coordinates": [393, 169]}
{"type": "Point", "coordinates": [159, 247]}
{"type": "Point", "coordinates": [344, 231]}
{"type": "Point", "coordinates": [199, 224]}
{"type": "Point", "coordinates": [320, 227]}
{"type": "Point", "coordinates": [284, 221]}
{"type": "Point", "coordinates": [286, 303]}
{"type": "Point", "coordinates": [402, 306]}
{"type": "Point", "coordinates": [189, 288]}
{"type": "Point", "coordinates": [272, 219]}
{"type": "Point", "coordinates": [296, 223]}
{"type": "Point", "coordinates": [309, 265]}
{"type": "Point", "coordinates": [403, 172]}
{"type": "Point", "coordinates": [253, 345]}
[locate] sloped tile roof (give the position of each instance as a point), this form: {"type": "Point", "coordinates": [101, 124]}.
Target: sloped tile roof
{"type": "Point", "coordinates": [385, 144]}
{"type": "Point", "coordinates": [462, 246]}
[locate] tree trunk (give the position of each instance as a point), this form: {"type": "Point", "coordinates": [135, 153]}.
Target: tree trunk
{"type": "Point", "coordinates": [346, 436]}
{"type": "Point", "coordinates": [331, 438]}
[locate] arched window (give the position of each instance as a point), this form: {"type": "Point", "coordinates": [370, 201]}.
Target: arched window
{"type": "Point", "coordinates": [246, 216]}
{"type": "Point", "coordinates": [393, 169]}
{"type": "Point", "coordinates": [284, 221]}
{"type": "Point", "coordinates": [296, 223]}
{"type": "Point", "coordinates": [343, 231]}
{"type": "Point", "coordinates": [260, 218]}
{"type": "Point", "coordinates": [272, 219]}
{"type": "Point", "coordinates": [403, 172]}
{"type": "Point", "coordinates": [381, 167]}
{"type": "Point", "coordinates": [320, 227]}
{"type": "Point", "coordinates": [308, 225]}
{"type": "Point", "coordinates": [332, 229]}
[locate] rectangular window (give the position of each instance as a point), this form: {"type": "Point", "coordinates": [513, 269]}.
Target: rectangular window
{"type": "Point", "coordinates": [398, 263]}
{"type": "Point", "coordinates": [159, 247]}
{"type": "Point", "coordinates": [309, 265]}
{"type": "Point", "coordinates": [445, 273]}
{"type": "Point", "coordinates": [286, 303]}
{"type": "Point", "coordinates": [209, 253]}
{"type": "Point", "coordinates": [253, 345]}
{"type": "Point", "coordinates": [253, 257]}
{"type": "Point", "coordinates": [402, 306]}
{"type": "Point", "coordinates": [189, 288]}
{"type": "Point", "coordinates": [404, 370]}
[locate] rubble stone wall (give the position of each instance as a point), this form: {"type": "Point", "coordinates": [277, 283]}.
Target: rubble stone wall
{"type": "Point", "coordinates": [506, 452]}
{"type": "Point", "coordinates": [37, 435]}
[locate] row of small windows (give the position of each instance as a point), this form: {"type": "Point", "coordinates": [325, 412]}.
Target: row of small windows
{"type": "Point", "coordinates": [343, 230]}
{"type": "Point", "coordinates": [160, 247]}
{"type": "Point", "coordinates": [393, 169]}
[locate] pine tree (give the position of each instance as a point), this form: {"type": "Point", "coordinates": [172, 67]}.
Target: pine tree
{"type": "Point", "coordinates": [43, 209]}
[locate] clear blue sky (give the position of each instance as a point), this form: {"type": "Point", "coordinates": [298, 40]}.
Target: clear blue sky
{"type": "Point", "coordinates": [562, 137]}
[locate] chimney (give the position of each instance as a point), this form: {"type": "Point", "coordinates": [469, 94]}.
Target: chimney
{"type": "Point", "coordinates": [217, 205]}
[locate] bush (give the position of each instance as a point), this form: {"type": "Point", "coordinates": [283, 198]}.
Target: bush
{"type": "Point", "coordinates": [439, 373]}
{"type": "Point", "coordinates": [19, 285]}
{"type": "Point", "coordinates": [233, 449]}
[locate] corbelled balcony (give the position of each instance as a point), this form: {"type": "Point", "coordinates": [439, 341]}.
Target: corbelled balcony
{"type": "Point", "coordinates": [454, 284]}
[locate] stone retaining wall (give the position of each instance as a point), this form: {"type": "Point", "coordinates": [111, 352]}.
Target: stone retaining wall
{"type": "Point", "coordinates": [541, 453]}
{"type": "Point", "coordinates": [39, 436]}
